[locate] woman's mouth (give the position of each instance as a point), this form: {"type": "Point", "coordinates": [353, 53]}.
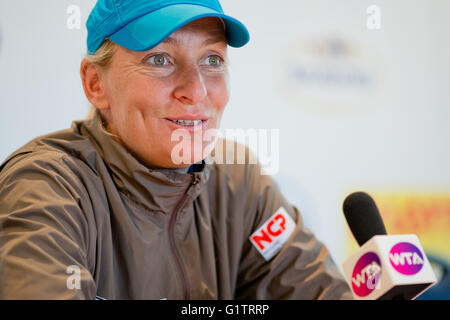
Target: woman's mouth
{"type": "Point", "coordinates": [187, 122]}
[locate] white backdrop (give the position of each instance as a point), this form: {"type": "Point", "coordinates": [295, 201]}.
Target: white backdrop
{"type": "Point", "coordinates": [357, 108]}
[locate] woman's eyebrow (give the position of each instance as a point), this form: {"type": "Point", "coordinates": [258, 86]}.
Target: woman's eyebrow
{"type": "Point", "coordinates": [172, 41]}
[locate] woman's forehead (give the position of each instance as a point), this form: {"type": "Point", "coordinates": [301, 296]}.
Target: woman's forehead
{"type": "Point", "coordinates": [208, 22]}
{"type": "Point", "coordinates": [211, 25]}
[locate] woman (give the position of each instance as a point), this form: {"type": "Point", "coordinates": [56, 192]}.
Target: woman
{"type": "Point", "coordinates": [104, 210]}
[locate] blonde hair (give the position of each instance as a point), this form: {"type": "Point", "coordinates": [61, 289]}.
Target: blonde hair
{"type": "Point", "coordinates": [102, 57]}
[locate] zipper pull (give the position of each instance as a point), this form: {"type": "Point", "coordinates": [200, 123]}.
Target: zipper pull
{"type": "Point", "coordinates": [197, 180]}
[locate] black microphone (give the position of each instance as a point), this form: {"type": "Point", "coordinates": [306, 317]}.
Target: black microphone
{"type": "Point", "coordinates": [363, 217]}
{"type": "Point", "coordinates": [385, 267]}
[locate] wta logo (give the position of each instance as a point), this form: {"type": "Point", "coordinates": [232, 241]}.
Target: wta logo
{"type": "Point", "coordinates": [406, 258]}
{"type": "Point", "coordinates": [366, 274]}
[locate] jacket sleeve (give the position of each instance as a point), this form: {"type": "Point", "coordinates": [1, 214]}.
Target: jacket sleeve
{"type": "Point", "coordinates": [301, 269]}
{"type": "Point", "coordinates": [43, 231]}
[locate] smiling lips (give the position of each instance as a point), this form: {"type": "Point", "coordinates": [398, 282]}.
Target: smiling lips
{"type": "Point", "coordinates": [190, 125]}
{"type": "Point", "coordinates": [187, 122]}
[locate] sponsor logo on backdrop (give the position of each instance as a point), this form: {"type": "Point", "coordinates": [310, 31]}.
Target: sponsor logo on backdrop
{"type": "Point", "coordinates": [330, 74]}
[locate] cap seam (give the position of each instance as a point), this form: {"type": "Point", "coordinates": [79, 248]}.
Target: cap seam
{"type": "Point", "coordinates": [118, 14]}
{"type": "Point", "coordinates": [105, 20]}
{"type": "Point", "coordinates": [95, 32]}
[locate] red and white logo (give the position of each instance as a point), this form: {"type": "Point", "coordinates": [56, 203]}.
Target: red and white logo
{"type": "Point", "coordinates": [272, 235]}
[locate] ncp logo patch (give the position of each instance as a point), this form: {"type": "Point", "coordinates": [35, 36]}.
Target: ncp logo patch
{"type": "Point", "coordinates": [272, 235]}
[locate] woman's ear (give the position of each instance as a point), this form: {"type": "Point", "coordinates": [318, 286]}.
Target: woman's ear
{"type": "Point", "coordinates": [93, 85]}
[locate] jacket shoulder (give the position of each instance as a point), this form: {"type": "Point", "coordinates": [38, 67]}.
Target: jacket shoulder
{"type": "Point", "coordinates": [66, 147]}
{"type": "Point", "coordinates": [47, 177]}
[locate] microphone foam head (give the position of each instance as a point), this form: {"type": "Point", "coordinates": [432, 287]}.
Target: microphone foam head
{"type": "Point", "coordinates": [363, 217]}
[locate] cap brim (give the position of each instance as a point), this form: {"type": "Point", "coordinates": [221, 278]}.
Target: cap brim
{"type": "Point", "coordinates": [153, 28]}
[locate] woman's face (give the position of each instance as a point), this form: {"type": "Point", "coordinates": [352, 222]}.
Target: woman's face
{"type": "Point", "coordinates": [150, 93]}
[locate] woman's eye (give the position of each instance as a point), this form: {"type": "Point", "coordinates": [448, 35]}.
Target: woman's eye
{"type": "Point", "coordinates": [213, 61]}
{"type": "Point", "coordinates": [158, 60]}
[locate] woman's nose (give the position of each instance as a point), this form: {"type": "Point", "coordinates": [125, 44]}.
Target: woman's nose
{"type": "Point", "coordinates": [191, 88]}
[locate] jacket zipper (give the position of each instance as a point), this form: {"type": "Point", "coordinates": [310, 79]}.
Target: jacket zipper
{"type": "Point", "coordinates": [175, 252]}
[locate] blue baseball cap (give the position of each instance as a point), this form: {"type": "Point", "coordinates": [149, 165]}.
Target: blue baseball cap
{"type": "Point", "coordinates": [141, 25]}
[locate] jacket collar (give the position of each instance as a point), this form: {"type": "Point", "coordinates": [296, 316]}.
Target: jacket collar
{"type": "Point", "coordinates": [157, 189]}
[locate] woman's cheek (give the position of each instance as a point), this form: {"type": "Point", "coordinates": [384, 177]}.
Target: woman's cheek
{"type": "Point", "coordinates": [218, 88]}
